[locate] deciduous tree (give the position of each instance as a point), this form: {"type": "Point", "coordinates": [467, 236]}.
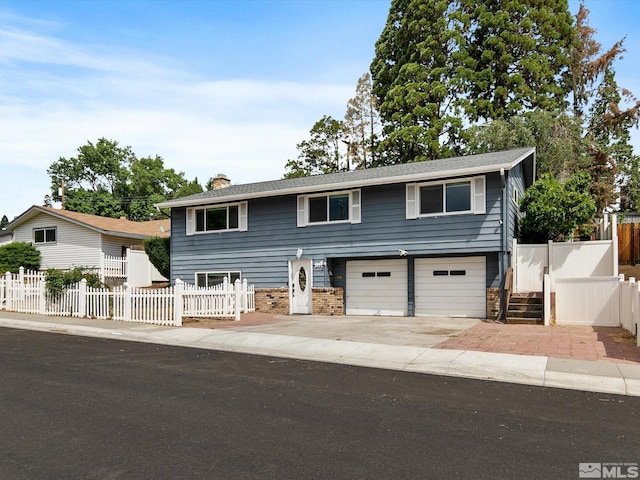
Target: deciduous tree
{"type": "Point", "coordinates": [554, 210]}
{"type": "Point", "coordinates": [109, 180]}
{"type": "Point", "coordinates": [362, 126]}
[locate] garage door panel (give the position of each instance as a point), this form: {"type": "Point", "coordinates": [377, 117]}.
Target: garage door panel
{"type": "Point", "coordinates": [450, 293]}
{"type": "Point", "coordinates": [376, 287]}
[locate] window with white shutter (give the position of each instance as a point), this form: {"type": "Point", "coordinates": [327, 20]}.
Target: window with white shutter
{"type": "Point", "coordinates": [218, 218]}
{"type": "Point", "coordinates": [338, 207]}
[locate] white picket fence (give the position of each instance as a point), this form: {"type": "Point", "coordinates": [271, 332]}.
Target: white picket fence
{"type": "Point", "coordinates": [114, 267]}
{"type": "Point", "coordinates": [27, 293]}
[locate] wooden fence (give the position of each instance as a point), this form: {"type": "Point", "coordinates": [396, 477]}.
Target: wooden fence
{"type": "Point", "coordinates": [160, 306]}
{"type": "Point", "coordinates": [629, 243]}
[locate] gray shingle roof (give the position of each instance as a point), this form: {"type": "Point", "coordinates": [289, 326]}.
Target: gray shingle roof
{"type": "Point", "coordinates": [443, 168]}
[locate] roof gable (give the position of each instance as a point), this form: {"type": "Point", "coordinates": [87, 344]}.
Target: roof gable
{"type": "Point", "coordinates": [408, 172]}
{"type": "Point", "coordinates": [120, 227]}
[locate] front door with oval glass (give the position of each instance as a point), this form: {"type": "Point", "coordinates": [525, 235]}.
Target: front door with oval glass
{"type": "Point", "coordinates": [300, 286]}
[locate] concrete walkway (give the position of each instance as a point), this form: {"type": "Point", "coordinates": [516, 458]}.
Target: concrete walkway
{"type": "Point", "coordinates": [408, 344]}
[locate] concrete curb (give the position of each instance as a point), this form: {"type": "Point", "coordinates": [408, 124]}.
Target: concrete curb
{"type": "Point", "coordinates": [602, 377]}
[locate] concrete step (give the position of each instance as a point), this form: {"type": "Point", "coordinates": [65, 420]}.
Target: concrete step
{"type": "Point", "coordinates": [524, 321]}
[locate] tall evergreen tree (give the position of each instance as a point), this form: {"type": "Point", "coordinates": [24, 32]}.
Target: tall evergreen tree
{"type": "Point", "coordinates": [441, 66]}
{"type": "Point", "coordinates": [415, 80]}
{"type": "Point", "coordinates": [518, 57]}
{"type": "Point", "coordinates": [323, 152]}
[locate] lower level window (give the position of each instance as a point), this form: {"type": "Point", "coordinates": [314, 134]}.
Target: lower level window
{"type": "Point", "coordinates": [210, 279]}
{"type": "Point", "coordinates": [44, 235]}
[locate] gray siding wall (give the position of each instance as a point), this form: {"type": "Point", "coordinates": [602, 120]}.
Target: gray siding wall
{"type": "Point", "coordinates": [262, 253]}
{"type": "Point", "coordinates": [516, 183]}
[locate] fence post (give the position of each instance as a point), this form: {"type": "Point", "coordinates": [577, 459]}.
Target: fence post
{"type": "Point", "coordinates": [82, 298]}
{"type": "Point", "coordinates": [101, 273]}
{"type": "Point", "coordinates": [636, 319]}
{"type": "Point", "coordinates": [21, 274]}
{"type": "Point", "coordinates": [245, 296]}
{"type": "Point", "coordinates": [8, 287]}
{"type": "Point", "coordinates": [547, 298]}
{"type": "Point", "coordinates": [238, 299]}
{"type": "Point", "coordinates": [550, 260]}
{"type": "Point", "coordinates": [127, 302]}
{"type": "Point", "coordinates": [178, 302]}
{"type": "Point", "coordinates": [614, 243]}
{"type": "Point", "coordinates": [514, 264]}
{"type": "Point", "coordinates": [42, 297]}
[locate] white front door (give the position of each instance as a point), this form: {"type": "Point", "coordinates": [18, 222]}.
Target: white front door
{"type": "Point", "coordinates": [300, 285]}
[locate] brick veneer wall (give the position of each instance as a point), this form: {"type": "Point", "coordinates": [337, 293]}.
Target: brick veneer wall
{"type": "Point", "coordinates": [493, 303]}
{"type": "Point", "coordinates": [328, 301]}
{"type": "Point", "coordinates": [272, 300]}
{"type": "Point", "coordinates": [325, 301]}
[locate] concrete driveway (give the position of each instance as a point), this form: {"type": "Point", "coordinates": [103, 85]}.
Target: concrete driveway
{"type": "Point", "coordinates": [406, 331]}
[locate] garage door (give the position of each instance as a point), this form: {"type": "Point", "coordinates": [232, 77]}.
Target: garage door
{"type": "Point", "coordinates": [452, 287]}
{"type": "Point", "coordinates": [377, 287]}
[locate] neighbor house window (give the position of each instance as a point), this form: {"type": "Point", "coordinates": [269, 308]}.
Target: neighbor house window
{"type": "Point", "coordinates": [339, 207]}
{"type": "Point", "coordinates": [44, 235]}
{"type": "Point", "coordinates": [210, 279]}
{"type": "Point", "coordinates": [220, 218]}
{"type": "Point", "coordinates": [449, 197]}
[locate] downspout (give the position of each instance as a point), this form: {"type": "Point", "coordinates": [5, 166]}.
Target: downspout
{"type": "Point", "coordinates": [503, 240]}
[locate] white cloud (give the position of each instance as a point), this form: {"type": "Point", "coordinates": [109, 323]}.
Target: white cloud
{"type": "Point", "coordinates": [245, 128]}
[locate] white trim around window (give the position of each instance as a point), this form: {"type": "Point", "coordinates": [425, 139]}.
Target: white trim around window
{"type": "Point", "coordinates": [210, 279]}
{"type": "Point", "coordinates": [449, 197]}
{"type": "Point", "coordinates": [228, 217]}
{"type": "Point", "coordinates": [331, 207]}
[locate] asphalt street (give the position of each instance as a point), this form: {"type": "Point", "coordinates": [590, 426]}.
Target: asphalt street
{"type": "Point", "coordinates": [79, 407]}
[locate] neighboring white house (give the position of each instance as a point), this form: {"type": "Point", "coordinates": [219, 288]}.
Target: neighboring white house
{"type": "Point", "coordinates": [68, 239]}
{"type": "Point", "coordinates": [6, 236]}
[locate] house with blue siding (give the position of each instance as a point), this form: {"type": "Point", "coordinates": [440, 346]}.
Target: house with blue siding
{"type": "Point", "coordinates": [427, 238]}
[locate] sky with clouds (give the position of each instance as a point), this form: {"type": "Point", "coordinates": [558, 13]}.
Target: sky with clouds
{"type": "Point", "coordinates": [211, 86]}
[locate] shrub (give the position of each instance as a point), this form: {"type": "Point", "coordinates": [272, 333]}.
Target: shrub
{"type": "Point", "coordinates": [554, 210]}
{"type": "Point", "coordinates": [157, 249]}
{"type": "Point", "coordinates": [19, 254]}
{"type": "Point", "coordinates": [58, 280]}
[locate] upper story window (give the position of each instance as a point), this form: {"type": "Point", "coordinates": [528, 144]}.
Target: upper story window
{"type": "Point", "coordinates": [44, 235]}
{"type": "Point", "coordinates": [338, 207]}
{"type": "Point", "coordinates": [466, 195]}
{"type": "Point", "coordinates": [220, 218]}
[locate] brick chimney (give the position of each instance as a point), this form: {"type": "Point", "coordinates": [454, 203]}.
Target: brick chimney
{"type": "Point", "coordinates": [220, 181]}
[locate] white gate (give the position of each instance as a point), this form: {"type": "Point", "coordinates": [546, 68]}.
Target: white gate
{"type": "Point", "coordinates": [529, 267]}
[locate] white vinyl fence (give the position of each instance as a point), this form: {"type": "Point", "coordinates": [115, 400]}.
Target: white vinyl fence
{"type": "Point", "coordinates": [599, 301]}
{"type": "Point", "coordinates": [589, 259]}
{"type": "Point", "coordinates": [588, 301]}
{"type": "Point", "coordinates": [27, 293]}
{"type": "Point", "coordinates": [135, 268]}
